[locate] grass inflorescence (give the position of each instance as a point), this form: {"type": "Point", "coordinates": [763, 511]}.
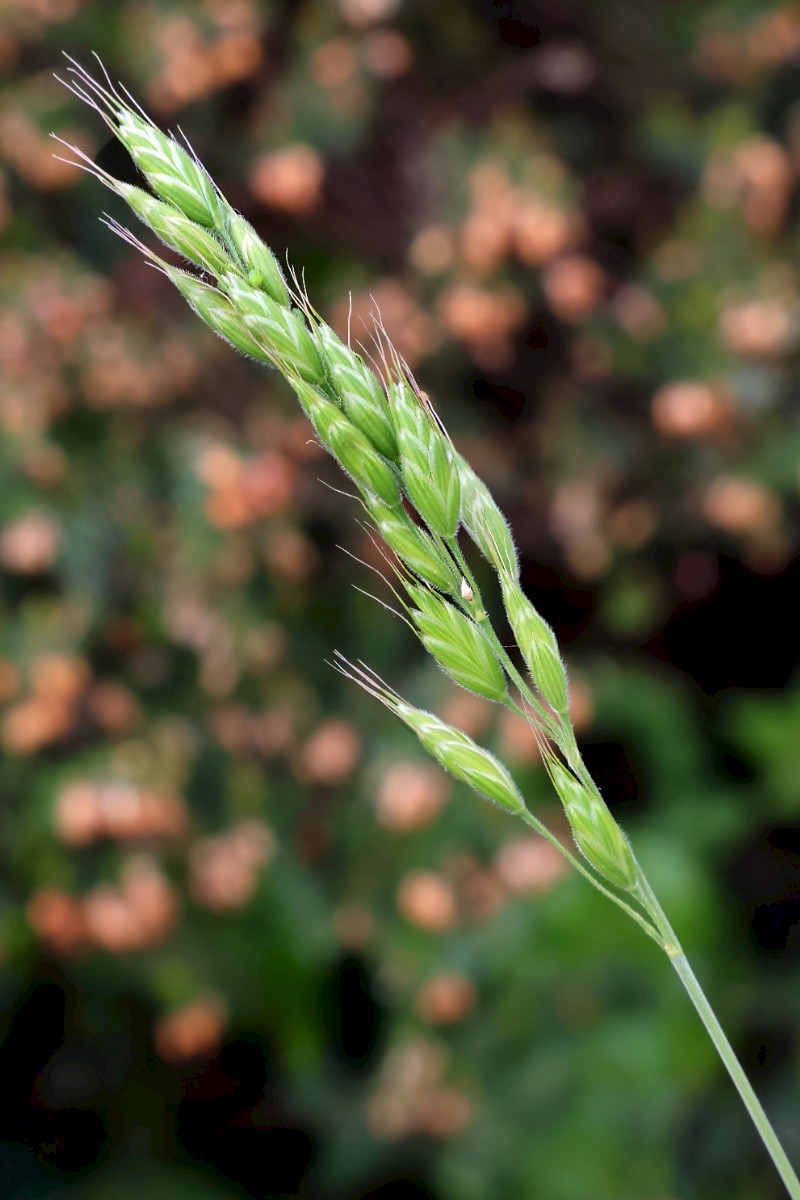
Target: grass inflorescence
{"type": "Point", "coordinates": [417, 491]}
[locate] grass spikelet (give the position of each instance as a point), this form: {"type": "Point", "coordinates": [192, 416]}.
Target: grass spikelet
{"type": "Point", "coordinates": [538, 645]}
{"type": "Point", "coordinates": [258, 262]}
{"type": "Point", "coordinates": [414, 547]}
{"type": "Point", "coordinates": [354, 453]}
{"type": "Point", "coordinates": [284, 330]}
{"type": "Point", "coordinates": [427, 460]}
{"type": "Point", "coordinates": [359, 390]}
{"type": "Point", "coordinates": [457, 643]}
{"type": "Point", "coordinates": [452, 749]}
{"type": "Point", "coordinates": [173, 172]}
{"type": "Point", "coordinates": [485, 523]}
{"type": "Point", "coordinates": [597, 835]}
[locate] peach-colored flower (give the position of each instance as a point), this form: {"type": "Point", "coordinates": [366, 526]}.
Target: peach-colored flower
{"type": "Point", "coordinates": [367, 12]}
{"type": "Point", "coordinates": [444, 1112]}
{"type": "Point", "coordinates": [77, 814]}
{"type": "Point", "coordinates": [742, 506]}
{"type": "Point", "coordinates": [632, 523]}
{"type": "Point", "coordinates": [410, 796]}
{"type": "Point", "coordinates": [638, 312]}
{"type": "Point", "coordinates": [446, 998]}
{"type": "Point", "coordinates": [60, 677]}
{"type": "Point", "coordinates": [194, 1031]}
{"type": "Point", "coordinates": [427, 899]}
{"type": "Point", "coordinates": [272, 732]}
{"type": "Point", "coordinates": [468, 712]}
{"type": "Point", "coordinates": [334, 62]}
{"type": "Point", "coordinates": [517, 740]}
{"type": "Point", "coordinates": [481, 895]}
{"type": "Point", "coordinates": [113, 706]}
{"type": "Point", "coordinates": [268, 483]}
{"type": "Point", "coordinates": [387, 53]}
{"type": "Point", "coordinates": [529, 864]}
{"type": "Point", "coordinates": [764, 328]}
{"type": "Point", "coordinates": [56, 919]}
{"type": "Point", "coordinates": [581, 703]}
{"type": "Point", "coordinates": [30, 724]}
{"type": "Point", "coordinates": [765, 174]}
{"type": "Point", "coordinates": [29, 544]}
{"type": "Point", "coordinates": [573, 287]}
{"type": "Point", "coordinates": [329, 756]}
{"type": "Point", "coordinates": [541, 232]}
{"type": "Point", "coordinates": [140, 912]}
{"type": "Point", "coordinates": [486, 238]}
{"type": "Point", "coordinates": [290, 179]}
{"type": "Point", "coordinates": [225, 868]}
{"type": "Point", "coordinates": [485, 320]}
{"type": "Point", "coordinates": [411, 1097]}
{"type": "Point", "coordinates": [45, 464]}
{"type": "Point", "coordinates": [433, 249]}
{"type": "Point", "coordinates": [289, 553]}
{"type": "Point", "coordinates": [691, 409]}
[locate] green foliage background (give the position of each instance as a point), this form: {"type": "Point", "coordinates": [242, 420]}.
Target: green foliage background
{"type": "Point", "coordinates": [579, 224]}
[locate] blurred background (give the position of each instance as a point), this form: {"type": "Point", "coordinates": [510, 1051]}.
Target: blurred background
{"type": "Point", "coordinates": [252, 943]}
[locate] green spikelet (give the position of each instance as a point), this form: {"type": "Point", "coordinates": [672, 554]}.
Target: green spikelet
{"type": "Point", "coordinates": [538, 645]}
{"type": "Point", "coordinates": [359, 390]}
{"type": "Point", "coordinates": [171, 171]}
{"type": "Point", "coordinates": [414, 547]}
{"type": "Point", "coordinates": [428, 462]}
{"type": "Point", "coordinates": [356, 456]}
{"type": "Point", "coordinates": [458, 644]}
{"type": "Point", "coordinates": [176, 230]}
{"type": "Point", "coordinates": [217, 312]}
{"type": "Point", "coordinates": [485, 522]}
{"type": "Point", "coordinates": [462, 757]}
{"type": "Point", "coordinates": [597, 835]}
{"type": "Point", "coordinates": [282, 330]}
{"type": "Point", "coordinates": [260, 264]}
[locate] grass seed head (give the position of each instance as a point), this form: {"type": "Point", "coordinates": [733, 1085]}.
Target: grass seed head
{"type": "Point", "coordinates": [597, 835]}
{"type": "Point", "coordinates": [538, 645]}
{"type": "Point", "coordinates": [428, 462]}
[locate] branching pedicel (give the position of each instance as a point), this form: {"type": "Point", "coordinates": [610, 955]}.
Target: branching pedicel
{"type": "Point", "coordinates": [387, 438]}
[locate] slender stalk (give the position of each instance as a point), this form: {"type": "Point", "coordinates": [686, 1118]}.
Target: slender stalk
{"type": "Point", "coordinates": [719, 1038]}
{"type": "Point", "coordinates": [660, 930]}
